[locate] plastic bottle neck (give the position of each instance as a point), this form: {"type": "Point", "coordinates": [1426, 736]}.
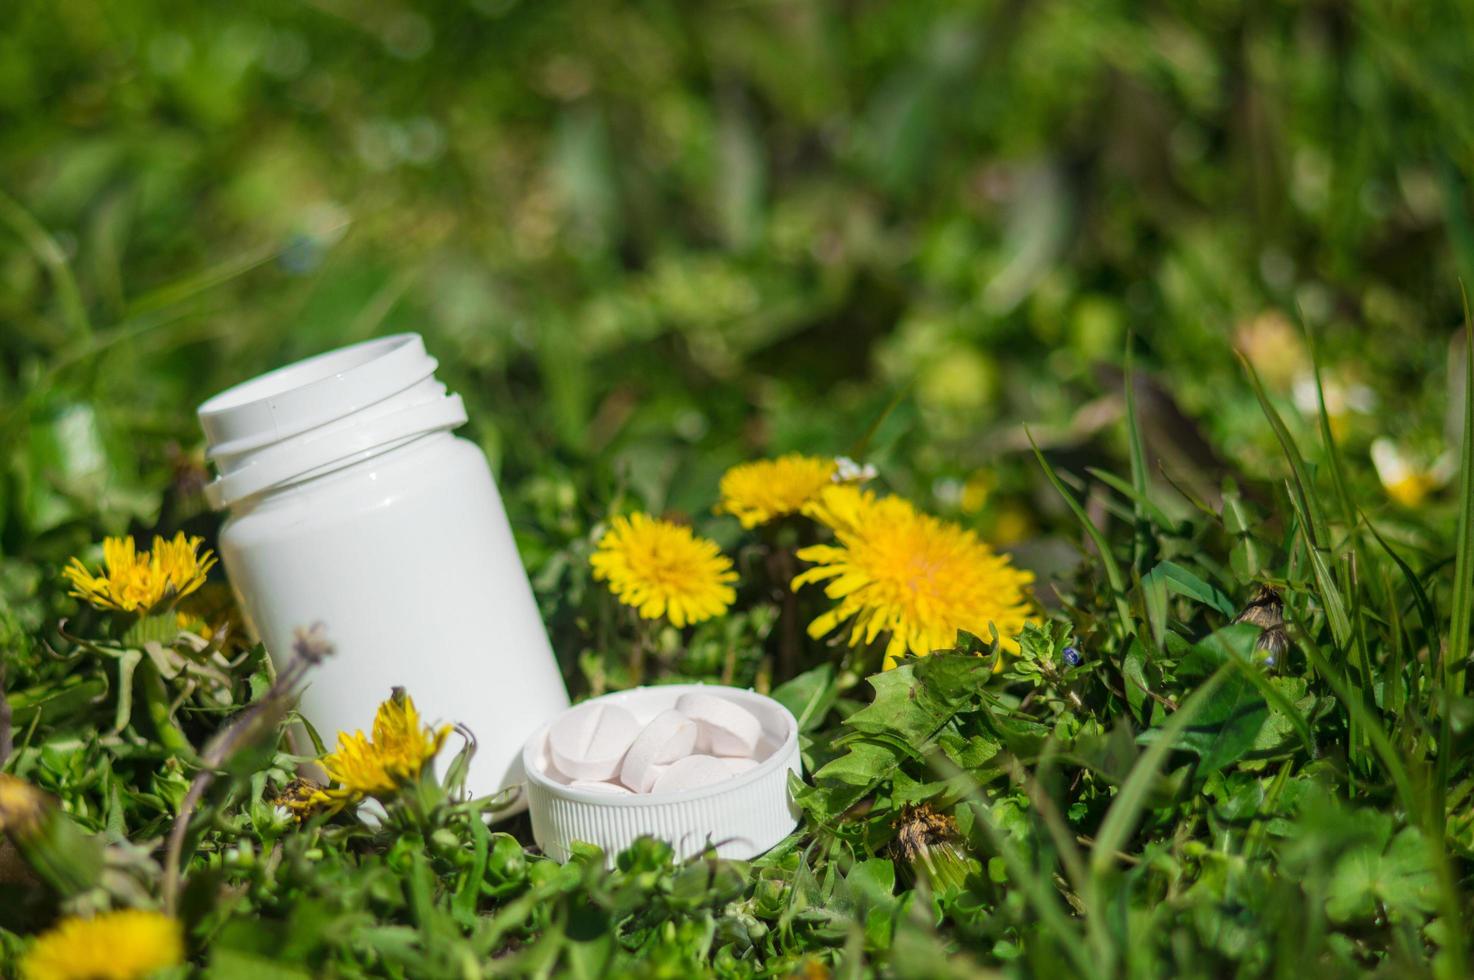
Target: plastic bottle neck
{"type": "Point", "coordinates": [322, 415]}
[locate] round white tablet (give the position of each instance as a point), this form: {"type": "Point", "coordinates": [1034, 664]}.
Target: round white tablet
{"type": "Point", "coordinates": [726, 728]}
{"type": "Point", "coordinates": [691, 772]}
{"type": "Point", "coordinates": [589, 742]}
{"type": "Point", "coordinates": [599, 786]}
{"type": "Point", "coordinates": [738, 766]}
{"type": "Point", "coordinates": [669, 736]}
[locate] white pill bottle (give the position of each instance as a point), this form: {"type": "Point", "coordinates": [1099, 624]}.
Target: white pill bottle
{"type": "Point", "coordinates": [351, 504]}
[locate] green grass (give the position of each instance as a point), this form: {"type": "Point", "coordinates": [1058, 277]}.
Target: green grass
{"type": "Point", "coordinates": [1003, 252]}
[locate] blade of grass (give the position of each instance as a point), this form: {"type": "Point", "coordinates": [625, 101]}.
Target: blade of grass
{"type": "Point", "coordinates": [1381, 743]}
{"type": "Point", "coordinates": [1304, 487]}
{"type": "Point", "coordinates": [1379, 597]}
{"type": "Point", "coordinates": [1429, 818]}
{"type": "Point", "coordinates": [1141, 541]}
{"type": "Point", "coordinates": [861, 446]}
{"type": "Point", "coordinates": [1452, 676]}
{"type": "Point", "coordinates": [1463, 595]}
{"type": "Point", "coordinates": [1108, 561]}
{"type": "Point", "coordinates": [1427, 612]}
{"type": "Point", "coordinates": [1328, 439]}
{"type": "Point", "coordinates": [1281, 703]}
{"type": "Point", "coordinates": [1038, 889]}
{"type": "Point", "coordinates": [53, 260]}
{"type": "Point", "coordinates": [1125, 489]}
{"type": "Point", "coordinates": [1126, 809]}
{"type": "Point", "coordinates": [1326, 585]}
{"type": "Point", "coordinates": [1328, 590]}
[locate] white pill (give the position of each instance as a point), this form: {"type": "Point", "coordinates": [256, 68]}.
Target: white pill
{"type": "Point", "coordinates": [551, 771]}
{"type": "Point", "coordinates": [740, 765]}
{"type": "Point", "coordinates": [598, 786]}
{"type": "Point", "coordinates": [691, 772]}
{"type": "Point", "coordinates": [726, 728]}
{"type": "Point", "coordinates": [669, 736]}
{"type": "Point", "coordinates": [590, 741]}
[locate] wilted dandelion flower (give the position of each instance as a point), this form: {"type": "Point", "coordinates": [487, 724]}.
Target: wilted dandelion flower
{"type": "Point", "coordinates": [125, 945]}
{"type": "Point", "coordinates": [898, 571]}
{"type": "Point", "coordinates": [662, 569]}
{"type": "Point", "coordinates": [928, 845]}
{"type": "Point", "coordinates": [137, 581]}
{"type": "Point", "coordinates": [302, 798]}
{"type": "Point", "coordinates": [765, 490]}
{"type": "Point", "coordinates": [378, 767]}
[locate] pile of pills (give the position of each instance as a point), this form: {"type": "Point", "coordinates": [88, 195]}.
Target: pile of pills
{"type": "Point", "coordinates": [604, 748]}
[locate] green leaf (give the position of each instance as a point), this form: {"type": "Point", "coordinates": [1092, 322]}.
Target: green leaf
{"type": "Point", "coordinates": [849, 777]}
{"type": "Point", "coordinates": [913, 700]}
{"type": "Point", "coordinates": [809, 696]}
{"type": "Point", "coordinates": [1227, 723]}
{"type": "Point", "coordinates": [1188, 585]}
{"type": "Point", "coordinates": [1249, 555]}
{"type": "Point", "coordinates": [1121, 819]}
{"type": "Point", "coordinates": [1133, 670]}
{"type": "Point", "coordinates": [1399, 877]}
{"type": "Point", "coordinates": [232, 964]}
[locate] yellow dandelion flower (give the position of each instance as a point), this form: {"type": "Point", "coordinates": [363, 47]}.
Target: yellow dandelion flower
{"type": "Point", "coordinates": [662, 569]}
{"type": "Point", "coordinates": [377, 767]}
{"type": "Point", "coordinates": [763, 491]}
{"type": "Point", "coordinates": [137, 581]}
{"type": "Point", "coordinates": [190, 623]}
{"type": "Point", "coordinates": [896, 570]}
{"type": "Point", "coordinates": [123, 945]}
{"type": "Point", "coordinates": [22, 806]}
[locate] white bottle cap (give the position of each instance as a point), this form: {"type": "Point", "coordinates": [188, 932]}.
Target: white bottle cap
{"type": "Point", "coordinates": [741, 816]}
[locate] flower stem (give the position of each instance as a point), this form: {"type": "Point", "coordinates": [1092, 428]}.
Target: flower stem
{"type": "Point", "coordinates": [781, 569]}
{"type": "Point", "coordinates": [156, 703]}
{"type": "Point", "coordinates": [637, 656]}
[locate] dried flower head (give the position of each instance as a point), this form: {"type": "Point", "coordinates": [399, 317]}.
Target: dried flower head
{"type": "Point", "coordinates": [662, 569]}
{"type": "Point", "coordinates": [1266, 610]}
{"type": "Point", "coordinates": [303, 798]}
{"type": "Point", "coordinates": [928, 844]}
{"type": "Point", "coordinates": [125, 945]}
{"type": "Point", "coordinates": [895, 570]}
{"type": "Point", "coordinates": [311, 643]}
{"type": "Point", "coordinates": [381, 766]}
{"type": "Point", "coordinates": [140, 581]}
{"type": "Point", "coordinates": [768, 489]}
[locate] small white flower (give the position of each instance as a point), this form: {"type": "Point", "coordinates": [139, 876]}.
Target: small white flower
{"type": "Point", "coordinates": [846, 470]}
{"type": "Point", "coordinates": [1405, 480]}
{"type": "Point", "coordinates": [1341, 399]}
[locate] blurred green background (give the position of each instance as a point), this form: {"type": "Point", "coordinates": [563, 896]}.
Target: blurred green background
{"type": "Point", "coordinates": [649, 240]}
